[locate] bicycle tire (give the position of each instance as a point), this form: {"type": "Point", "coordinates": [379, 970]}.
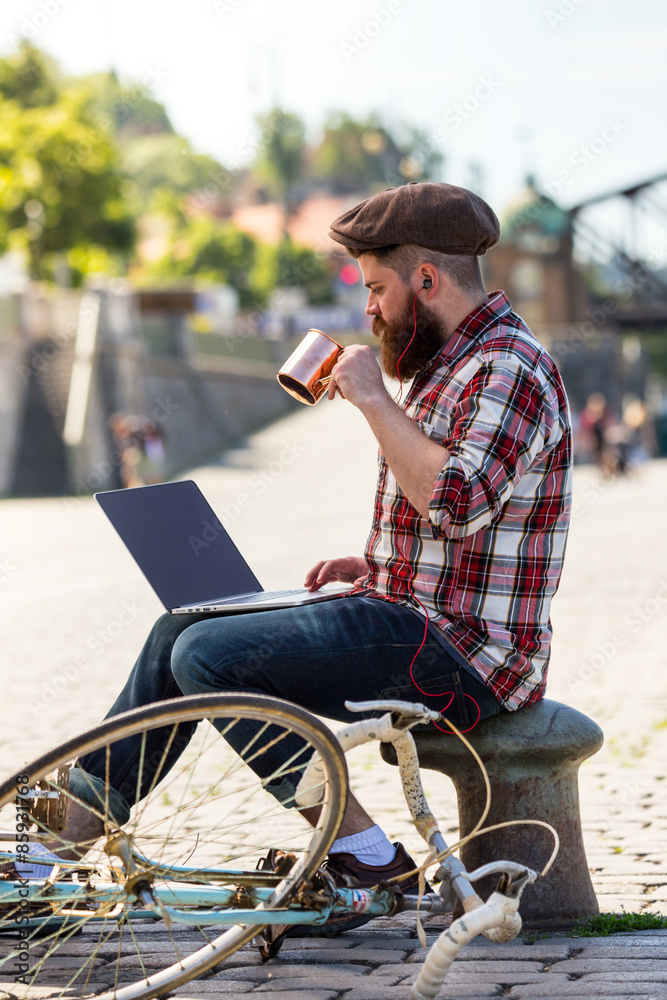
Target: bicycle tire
{"type": "Point", "coordinates": [260, 709]}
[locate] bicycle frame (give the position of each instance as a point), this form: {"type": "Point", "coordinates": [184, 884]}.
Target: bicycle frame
{"type": "Point", "coordinates": [244, 904]}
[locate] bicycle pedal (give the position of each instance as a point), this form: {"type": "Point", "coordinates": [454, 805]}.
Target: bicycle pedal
{"type": "Point", "coordinates": [46, 802]}
{"type": "Point", "coordinates": [277, 861]}
{"type": "Point", "coordinates": [271, 939]}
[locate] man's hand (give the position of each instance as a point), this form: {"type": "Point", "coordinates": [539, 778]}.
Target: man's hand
{"type": "Point", "coordinates": [357, 376]}
{"type": "Point", "coordinates": [351, 569]}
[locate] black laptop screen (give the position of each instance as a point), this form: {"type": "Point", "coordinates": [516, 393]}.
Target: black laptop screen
{"type": "Point", "coordinates": [179, 544]}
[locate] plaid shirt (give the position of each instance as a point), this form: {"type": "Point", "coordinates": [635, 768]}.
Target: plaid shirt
{"type": "Point", "coordinates": [488, 560]}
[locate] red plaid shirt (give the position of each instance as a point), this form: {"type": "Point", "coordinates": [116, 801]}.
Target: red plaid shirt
{"type": "Point", "coordinates": [488, 560]}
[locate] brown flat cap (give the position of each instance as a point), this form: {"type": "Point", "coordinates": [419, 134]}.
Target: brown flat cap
{"type": "Point", "coordinates": [441, 217]}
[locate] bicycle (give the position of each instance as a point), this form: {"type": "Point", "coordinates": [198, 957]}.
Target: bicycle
{"type": "Point", "coordinates": [170, 863]}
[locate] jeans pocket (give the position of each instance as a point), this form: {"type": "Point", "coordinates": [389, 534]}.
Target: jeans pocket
{"type": "Point", "coordinates": [443, 693]}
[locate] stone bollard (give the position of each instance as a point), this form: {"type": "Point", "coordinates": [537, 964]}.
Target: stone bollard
{"type": "Point", "coordinates": [532, 758]}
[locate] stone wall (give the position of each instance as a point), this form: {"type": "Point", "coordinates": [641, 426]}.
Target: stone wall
{"type": "Point", "coordinates": [12, 387]}
{"type": "Point", "coordinates": [201, 404]}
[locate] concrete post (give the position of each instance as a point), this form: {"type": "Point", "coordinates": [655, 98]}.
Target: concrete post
{"type": "Point", "coordinates": [532, 757]}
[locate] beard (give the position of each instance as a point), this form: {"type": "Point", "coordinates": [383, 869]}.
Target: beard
{"type": "Point", "coordinates": [394, 339]}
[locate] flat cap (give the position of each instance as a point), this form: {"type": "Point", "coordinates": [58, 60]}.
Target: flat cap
{"type": "Point", "coordinates": [441, 217]}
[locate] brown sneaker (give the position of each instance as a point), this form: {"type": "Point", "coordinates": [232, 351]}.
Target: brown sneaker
{"type": "Point", "coordinates": [348, 872]}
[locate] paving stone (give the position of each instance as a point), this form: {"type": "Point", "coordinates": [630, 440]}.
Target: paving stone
{"type": "Point", "coordinates": [577, 989]}
{"type": "Point", "coordinates": [206, 988]}
{"type": "Point", "coordinates": [633, 975]}
{"type": "Point", "coordinates": [62, 962]}
{"type": "Point", "coordinates": [9, 950]}
{"type": "Point", "coordinates": [659, 893]}
{"type": "Point", "coordinates": [365, 956]}
{"type": "Point", "coordinates": [306, 994]}
{"type": "Point", "coordinates": [393, 970]}
{"type": "Point", "coordinates": [462, 975]}
{"type": "Point", "coordinates": [370, 992]}
{"type": "Point", "coordinates": [384, 933]}
{"type": "Point", "coordinates": [324, 944]}
{"type": "Point", "coordinates": [644, 939]}
{"type": "Point", "coordinates": [611, 899]}
{"type": "Point", "coordinates": [241, 959]}
{"type": "Point", "coordinates": [584, 965]}
{"type": "Point", "coordinates": [626, 903]}
{"type": "Point", "coordinates": [337, 981]}
{"type": "Point", "coordinates": [540, 951]}
{"type": "Point", "coordinates": [632, 954]}
{"type": "Point", "coordinates": [148, 945]}
{"type": "Point", "coordinates": [20, 992]}
{"type": "Point", "coordinates": [628, 869]}
{"type": "Point", "coordinates": [276, 971]}
{"type": "Point", "coordinates": [151, 962]}
{"type": "Point", "coordinates": [403, 943]}
{"type": "Point", "coordinates": [656, 932]}
{"type": "Point", "coordinates": [492, 965]}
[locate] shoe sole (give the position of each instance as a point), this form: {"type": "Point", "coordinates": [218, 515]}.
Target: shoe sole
{"type": "Point", "coordinates": [332, 928]}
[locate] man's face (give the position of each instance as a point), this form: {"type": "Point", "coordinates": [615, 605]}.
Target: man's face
{"type": "Point", "coordinates": [390, 302]}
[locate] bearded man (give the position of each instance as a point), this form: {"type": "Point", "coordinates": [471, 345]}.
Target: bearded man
{"type": "Point", "coordinates": [469, 526]}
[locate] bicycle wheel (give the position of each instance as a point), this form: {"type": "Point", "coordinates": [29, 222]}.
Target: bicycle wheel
{"type": "Point", "coordinates": [201, 823]}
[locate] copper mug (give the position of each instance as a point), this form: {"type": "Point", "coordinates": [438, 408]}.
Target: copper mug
{"type": "Point", "coordinates": [307, 372]}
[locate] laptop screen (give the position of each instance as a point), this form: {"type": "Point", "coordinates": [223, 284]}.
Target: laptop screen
{"type": "Point", "coordinates": [178, 543]}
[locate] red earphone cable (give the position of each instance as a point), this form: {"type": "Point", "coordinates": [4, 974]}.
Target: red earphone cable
{"type": "Point", "coordinates": [414, 333]}
{"type": "Point", "coordinates": [412, 572]}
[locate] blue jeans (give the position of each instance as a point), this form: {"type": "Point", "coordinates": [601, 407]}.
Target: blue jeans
{"type": "Point", "coordinates": [318, 656]}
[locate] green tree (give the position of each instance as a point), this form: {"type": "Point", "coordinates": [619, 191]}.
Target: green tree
{"type": "Point", "coordinates": [280, 160]}
{"type": "Point", "coordinates": [356, 156]}
{"type": "Point", "coordinates": [29, 78]}
{"type": "Point", "coordinates": [168, 161]}
{"type": "Point", "coordinates": [126, 109]}
{"type": "Point", "coordinates": [210, 251]}
{"type": "Point", "coordinates": [288, 265]}
{"type": "Point", "coordinates": [60, 187]}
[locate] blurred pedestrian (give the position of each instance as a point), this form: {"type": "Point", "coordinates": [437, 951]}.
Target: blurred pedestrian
{"type": "Point", "coordinates": [140, 447]}
{"type": "Point", "coordinates": [642, 439]}
{"type": "Point", "coordinates": [594, 422]}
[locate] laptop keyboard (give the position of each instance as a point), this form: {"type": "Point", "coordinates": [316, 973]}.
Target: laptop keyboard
{"type": "Point", "coordinates": [263, 596]}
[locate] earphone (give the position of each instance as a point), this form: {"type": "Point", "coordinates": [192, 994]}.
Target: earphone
{"type": "Point", "coordinates": [427, 283]}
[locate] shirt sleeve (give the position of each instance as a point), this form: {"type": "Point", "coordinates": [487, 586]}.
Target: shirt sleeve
{"type": "Point", "coordinates": [497, 429]}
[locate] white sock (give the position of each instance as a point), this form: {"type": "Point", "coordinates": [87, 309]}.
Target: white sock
{"type": "Point", "coordinates": [372, 847]}
{"type": "Point", "coordinates": [28, 869]}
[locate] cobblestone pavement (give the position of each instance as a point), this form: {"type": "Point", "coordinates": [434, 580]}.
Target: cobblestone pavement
{"type": "Point", "coordinates": [77, 610]}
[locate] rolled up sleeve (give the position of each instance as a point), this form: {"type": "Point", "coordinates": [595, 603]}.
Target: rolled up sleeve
{"type": "Point", "coordinates": [497, 429]}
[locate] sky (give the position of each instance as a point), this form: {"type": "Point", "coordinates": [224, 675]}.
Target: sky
{"type": "Point", "coordinates": [573, 91]}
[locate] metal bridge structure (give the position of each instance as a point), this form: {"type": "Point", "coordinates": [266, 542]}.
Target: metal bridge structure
{"type": "Point", "coordinates": [632, 254]}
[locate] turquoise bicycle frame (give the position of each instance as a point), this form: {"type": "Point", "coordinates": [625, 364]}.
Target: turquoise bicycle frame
{"type": "Point", "coordinates": [174, 895]}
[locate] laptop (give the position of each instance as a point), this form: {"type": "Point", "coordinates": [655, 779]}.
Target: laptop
{"type": "Point", "coordinates": [188, 557]}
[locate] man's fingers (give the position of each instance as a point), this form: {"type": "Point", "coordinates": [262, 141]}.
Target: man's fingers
{"type": "Point", "coordinates": [334, 388]}
{"type": "Point", "coordinates": [311, 575]}
{"type": "Point", "coordinates": [321, 574]}
{"type": "Point", "coordinates": [344, 570]}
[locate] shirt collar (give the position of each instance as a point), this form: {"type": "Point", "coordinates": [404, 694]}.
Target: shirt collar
{"type": "Point", "coordinates": [471, 329]}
